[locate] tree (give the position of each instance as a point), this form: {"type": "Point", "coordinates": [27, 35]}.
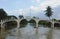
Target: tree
{"type": "Point", "coordinates": [21, 16]}
{"type": "Point", "coordinates": [49, 12]}
{"type": "Point", "coordinates": [54, 19]}
{"type": "Point", "coordinates": [3, 14]}
{"type": "Point", "coordinates": [12, 16]}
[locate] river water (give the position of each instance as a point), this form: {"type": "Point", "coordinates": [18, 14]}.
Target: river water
{"type": "Point", "coordinates": [30, 32]}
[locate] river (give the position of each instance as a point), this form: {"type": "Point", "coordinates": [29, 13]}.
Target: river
{"type": "Point", "coordinates": [29, 32]}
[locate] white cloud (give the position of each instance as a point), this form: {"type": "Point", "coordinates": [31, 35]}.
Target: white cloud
{"type": "Point", "coordinates": [37, 1]}
{"type": "Point", "coordinates": [52, 3]}
{"type": "Point", "coordinates": [40, 7]}
{"type": "Point", "coordinates": [34, 8]}
{"type": "Point", "coordinates": [43, 5]}
{"type": "Point", "coordinates": [15, 12]}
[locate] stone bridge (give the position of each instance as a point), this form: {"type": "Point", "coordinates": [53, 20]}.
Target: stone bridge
{"type": "Point", "coordinates": [18, 21]}
{"type": "Point", "coordinates": [28, 19]}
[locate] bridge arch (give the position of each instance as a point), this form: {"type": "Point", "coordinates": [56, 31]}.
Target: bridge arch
{"type": "Point", "coordinates": [10, 24]}
{"type": "Point", "coordinates": [18, 21]}
{"type": "Point", "coordinates": [45, 23]}
{"type": "Point", "coordinates": [42, 22]}
{"type": "Point", "coordinates": [32, 21]}
{"type": "Point", "coordinates": [23, 23]}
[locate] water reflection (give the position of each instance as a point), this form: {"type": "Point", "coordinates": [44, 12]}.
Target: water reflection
{"type": "Point", "coordinates": [19, 35]}
{"type": "Point", "coordinates": [50, 34]}
{"type": "Point", "coordinates": [30, 32]}
{"type": "Point", "coordinates": [23, 25]}
{"type": "Point", "coordinates": [36, 34]}
{"type": "Point", "coordinates": [33, 25]}
{"type": "Point", "coordinates": [3, 34]}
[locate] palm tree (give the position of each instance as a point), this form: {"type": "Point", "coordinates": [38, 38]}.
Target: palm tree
{"type": "Point", "coordinates": [49, 12]}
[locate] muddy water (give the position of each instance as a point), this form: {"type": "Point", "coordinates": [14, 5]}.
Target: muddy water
{"type": "Point", "coordinates": [30, 32]}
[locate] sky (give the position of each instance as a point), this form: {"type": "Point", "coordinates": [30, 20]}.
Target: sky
{"type": "Point", "coordinates": [31, 7]}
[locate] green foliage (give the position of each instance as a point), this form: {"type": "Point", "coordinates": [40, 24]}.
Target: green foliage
{"type": "Point", "coordinates": [12, 16]}
{"type": "Point", "coordinates": [42, 22]}
{"type": "Point", "coordinates": [23, 23]}
{"type": "Point", "coordinates": [48, 24]}
{"type": "Point", "coordinates": [45, 23]}
{"type": "Point", "coordinates": [21, 16]}
{"type": "Point", "coordinates": [32, 21]}
{"type": "Point", "coordinates": [54, 20]}
{"type": "Point", "coordinates": [3, 14]}
{"type": "Point", "coordinates": [48, 12]}
{"type": "Point", "coordinates": [10, 24]}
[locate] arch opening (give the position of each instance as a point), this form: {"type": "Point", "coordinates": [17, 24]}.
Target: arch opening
{"type": "Point", "coordinates": [32, 23]}
{"type": "Point", "coordinates": [10, 25]}
{"type": "Point", "coordinates": [56, 24]}
{"type": "Point", "coordinates": [23, 23]}
{"type": "Point", "coordinates": [44, 23]}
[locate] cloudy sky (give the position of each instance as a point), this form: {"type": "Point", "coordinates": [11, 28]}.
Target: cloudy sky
{"type": "Point", "coordinates": [31, 7]}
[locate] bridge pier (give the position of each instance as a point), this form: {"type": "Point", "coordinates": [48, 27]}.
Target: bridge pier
{"type": "Point", "coordinates": [2, 27]}
{"type": "Point", "coordinates": [18, 24]}
{"type": "Point", "coordinates": [36, 20]}
{"type": "Point", "coordinates": [1, 23]}
{"type": "Point", "coordinates": [18, 28]}
{"type": "Point", "coordinates": [36, 24]}
{"type": "Point", "coordinates": [50, 33]}
{"type": "Point", "coordinates": [52, 25]}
